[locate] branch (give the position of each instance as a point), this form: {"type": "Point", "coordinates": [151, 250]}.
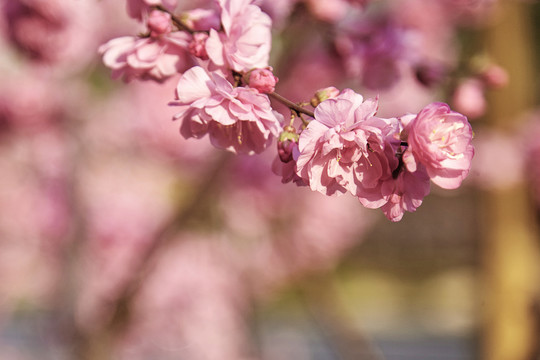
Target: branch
{"type": "Point", "coordinates": [291, 105]}
{"type": "Point", "coordinates": [179, 24]}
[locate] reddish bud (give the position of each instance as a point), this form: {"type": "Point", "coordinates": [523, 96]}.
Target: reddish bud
{"type": "Point", "coordinates": [197, 46]}
{"type": "Point", "coordinates": [159, 23]}
{"type": "Point", "coordinates": [263, 80]}
{"type": "Point", "coordinates": [286, 143]}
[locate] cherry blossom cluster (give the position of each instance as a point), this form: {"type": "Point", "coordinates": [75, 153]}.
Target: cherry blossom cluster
{"type": "Point", "coordinates": [386, 163]}
{"type": "Point", "coordinates": [340, 146]}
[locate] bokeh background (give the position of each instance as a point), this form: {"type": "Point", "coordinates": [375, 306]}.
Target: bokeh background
{"type": "Point", "coordinates": [119, 239]}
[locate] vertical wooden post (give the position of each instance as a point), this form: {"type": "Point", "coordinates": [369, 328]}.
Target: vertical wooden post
{"type": "Point", "coordinates": [510, 248]}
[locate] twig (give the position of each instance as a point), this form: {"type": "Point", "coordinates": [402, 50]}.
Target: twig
{"type": "Point", "coordinates": [291, 105]}
{"type": "Point", "coordinates": [179, 24]}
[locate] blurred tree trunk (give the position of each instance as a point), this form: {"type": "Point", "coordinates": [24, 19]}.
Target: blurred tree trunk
{"type": "Point", "coordinates": [510, 250]}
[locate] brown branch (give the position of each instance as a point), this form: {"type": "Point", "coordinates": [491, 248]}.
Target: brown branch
{"type": "Point", "coordinates": [176, 21]}
{"type": "Point", "coordinates": [291, 105]}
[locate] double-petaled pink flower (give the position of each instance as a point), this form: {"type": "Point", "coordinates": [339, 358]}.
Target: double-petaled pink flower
{"type": "Point", "coordinates": [404, 190]}
{"type": "Point", "coordinates": [159, 56]}
{"type": "Point", "coordinates": [245, 40]}
{"type": "Point", "coordinates": [385, 163]}
{"type": "Point", "coordinates": [237, 119]}
{"type": "Point", "coordinates": [342, 149]}
{"type": "Point", "coordinates": [439, 139]}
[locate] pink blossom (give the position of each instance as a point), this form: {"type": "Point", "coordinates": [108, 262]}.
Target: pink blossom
{"type": "Point", "coordinates": [374, 49]}
{"type": "Point", "coordinates": [125, 204]}
{"type": "Point", "coordinates": [51, 31]}
{"type": "Point", "coordinates": [139, 8]}
{"type": "Point", "coordinates": [155, 57]}
{"type": "Point", "coordinates": [331, 11]}
{"type": "Point", "coordinates": [343, 149]}
{"type": "Point", "coordinates": [469, 99]}
{"type": "Point", "coordinates": [440, 139]}
{"type": "Point", "coordinates": [246, 38]}
{"type": "Point", "coordinates": [467, 11]}
{"type": "Point", "coordinates": [263, 80]}
{"type": "Point", "coordinates": [159, 23]}
{"type": "Point", "coordinates": [193, 305]}
{"type": "Point", "coordinates": [407, 192]}
{"type": "Point", "coordinates": [30, 103]}
{"type": "Point", "coordinates": [237, 119]}
{"type": "Point", "coordinates": [197, 46]}
{"type": "Point", "coordinates": [499, 160]}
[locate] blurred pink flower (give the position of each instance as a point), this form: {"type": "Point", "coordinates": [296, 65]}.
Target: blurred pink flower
{"type": "Point", "coordinates": [281, 234]}
{"type": "Point", "coordinates": [499, 162]}
{"type": "Point", "coordinates": [318, 232]}
{"type": "Point", "coordinates": [469, 12]}
{"type": "Point", "coordinates": [237, 119]}
{"type": "Point", "coordinates": [35, 216]}
{"type": "Point", "coordinates": [124, 200]}
{"type": "Point", "coordinates": [278, 10]}
{"type": "Point", "coordinates": [309, 61]}
{"type": "Point", "coordinates": [52, 31]}
{"type": "Point", "coordinates": [245, 40]}
{"type": "Point", "coordinates": [193, 305]}
{"type": "Point", "coordinates": [139, 8]}
{"type": "Point", "coordinates": [469, 99]}
{"type": "Point", "coordinates": [374, 50]}
{"type": "Point", "coordinates": [342, 149]}
{"type": "Point", "coordinates": [29, 102]}
{"type": "Point", "coordinates": [330, 11]}
{"type": "Point", "coordinates": [440, 139]}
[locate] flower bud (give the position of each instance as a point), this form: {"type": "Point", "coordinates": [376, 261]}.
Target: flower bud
{"type": "Point", "coordinates": [263, 80]}
{"type": "Point", "coordinates": [197, 46]}
{"type": "Point", "coordinates": [324, 94]}
{"type": "Point", "coordinates": [159, 23]}
{"type": "Point", "coordinates": [286, 143]}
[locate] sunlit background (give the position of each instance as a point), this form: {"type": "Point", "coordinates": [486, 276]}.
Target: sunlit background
{"type": "Point", "coordinates": [119, 239]}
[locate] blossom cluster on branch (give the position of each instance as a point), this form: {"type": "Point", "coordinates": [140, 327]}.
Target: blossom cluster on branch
{"type": "Point", "coordinates": [340, 146]}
